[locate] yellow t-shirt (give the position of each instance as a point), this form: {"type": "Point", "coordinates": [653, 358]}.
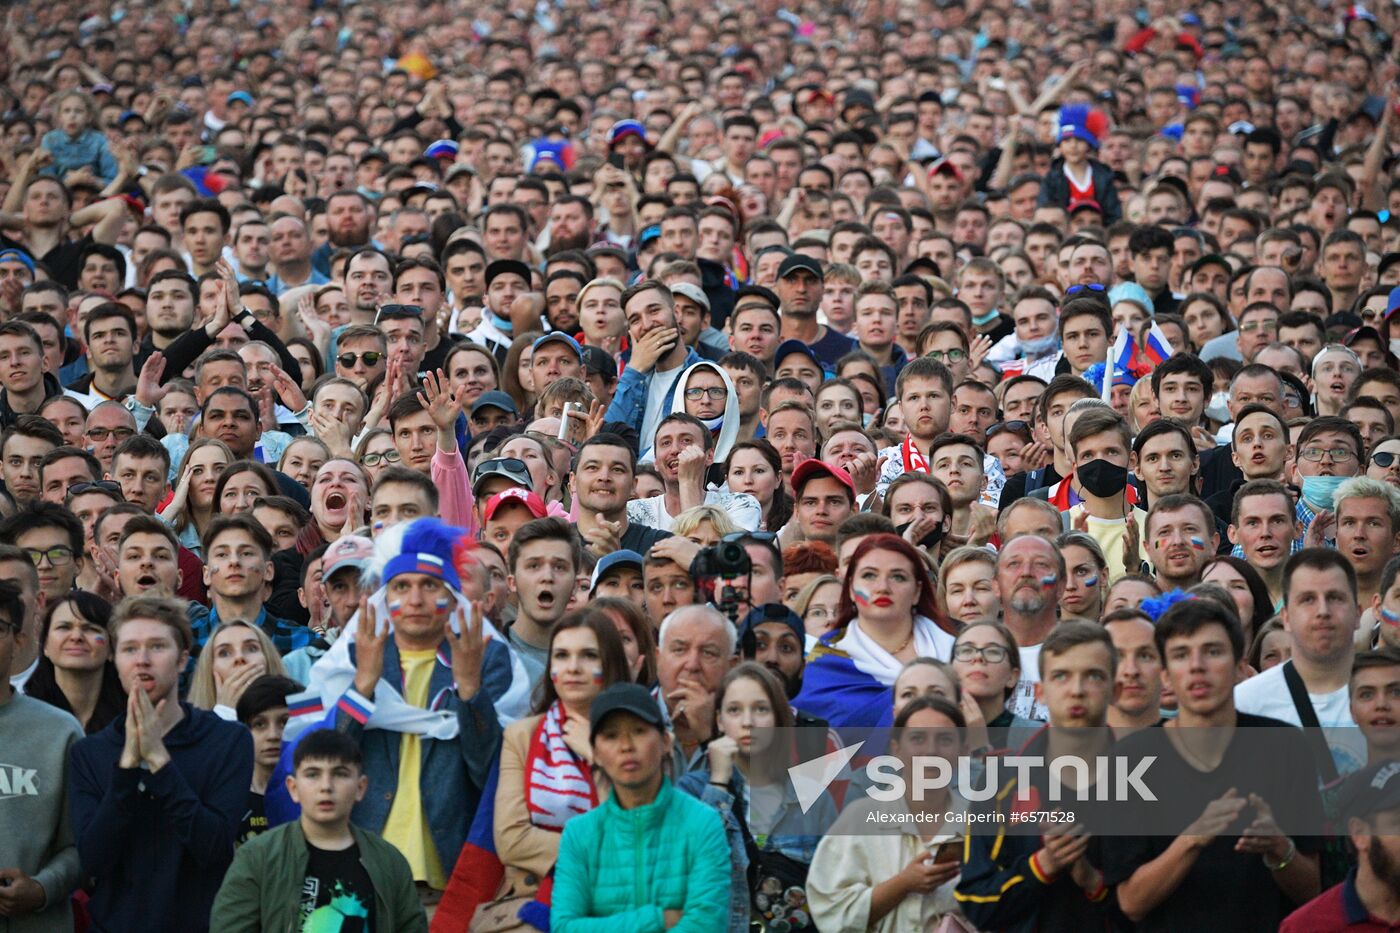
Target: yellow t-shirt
{"type": "Point", "coordinates": [407, 826]}
{"type": "Point", "coordinates": [1109, 533]}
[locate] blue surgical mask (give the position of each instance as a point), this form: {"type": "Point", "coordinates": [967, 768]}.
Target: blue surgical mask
{"type": "Point", "coordinates": [1041, 346]}
{"type": "Point", "coordinates": [1319, 491]}
{"type": "Point", "coordinates": [987, 318]}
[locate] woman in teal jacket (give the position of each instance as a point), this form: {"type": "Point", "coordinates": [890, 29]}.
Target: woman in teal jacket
{"type": "Point", "coordinates": [649, 858]}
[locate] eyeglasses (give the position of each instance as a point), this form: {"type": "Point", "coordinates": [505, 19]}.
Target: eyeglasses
{"type": "Point", "coordinates": [992, 654]}
{"type": "Point", "coordinates": [1335, 454]}
{"type": "Point", "coordinates": [713, 393]}
{"type": "Point", "coordinates": [104, 485]}
{"type": "Point", "coordinates": [1384, 458]}
{"type": "Point", "coordinates": [101, 434]}
{"type": "Point", "coordinates": [1080, 289]}
{"type": "Point", "coordinates": [1015, 427]}
{"type": "Point", "coordinates": [58, 556]}
{"type": "Point", "coordinates": [398, 311]}
{"type": "Point", "coordinates": [1267, 327]}
{"type": "Point", "coordinates": [388, 456]}
{"type": "Point", "coordinates": [371, 358]}
{"type": "Point", "coordinates": [947, 356]}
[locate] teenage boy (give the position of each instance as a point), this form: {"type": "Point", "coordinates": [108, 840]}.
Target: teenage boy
{"type": "Point", "coordinates": [158, 794]}
{"type": "Point", "coordinates": [263, 709]}
{"type": "Point", "coordinates": [321, 871]}
{"type": "Point", "coordinates": [824, 496]}
{"type": "Point", "coordinates": [1100, 442]}
{"type": "Point", "coordinates": [1049, 422]}
{"type": "Point", "coordinates": [38, 861]}
{"type": "Point", "coordinates": [237, 570]}
{"type": "Point", "coordinates": [1015, 880]}
{"type": "Point", "coordinates": [925, 393]}
{"type": "Point", "coordinates": [1264, 529]}
{"type": "Point", "coordinates": [1259, 449]}
{"type": "Point", "coordinates": [1320, 617]}
{"type": "Point", "coordinates": [1137, 693]}
{"type": "Point", "coordinates": [956, 461]}
{"type": "Point", "coordinates": [53, 538]}
{"type": "Point", "coordinates": [1231, 867]}
{"type": "Point", "coordinates": [544, 558]}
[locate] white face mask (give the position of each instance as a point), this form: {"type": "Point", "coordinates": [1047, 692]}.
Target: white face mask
{"type": "Point", "coordinates": [1395, 346]}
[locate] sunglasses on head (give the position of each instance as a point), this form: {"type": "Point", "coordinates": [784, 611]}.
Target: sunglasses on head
{"type": "Point", "coordinates": [398, 311]}
{"type": "Point", "coordinates": [104, 485]}
{"type": "Point", "coordinates": [1080, 289]}
{"type": "Point", "coordinates": [1016, 427]}
{"type": "Point", "coordinates": [371, 358]}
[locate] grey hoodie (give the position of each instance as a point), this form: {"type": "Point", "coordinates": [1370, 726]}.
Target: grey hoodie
{"type": "Point", "coordinates": [35, 835]}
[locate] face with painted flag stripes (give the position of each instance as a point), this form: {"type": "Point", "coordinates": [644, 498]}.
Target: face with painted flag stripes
{"type": "Point", "coordinates": [419, 605]}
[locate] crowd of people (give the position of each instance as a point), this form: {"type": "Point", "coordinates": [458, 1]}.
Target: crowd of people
{"type": "Point", "coordinates": [448, 451]}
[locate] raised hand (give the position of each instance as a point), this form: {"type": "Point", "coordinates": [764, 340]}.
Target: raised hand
{"type": "Point", "coordinates": [149, 391]}
{"type": "Point", "coordinates": [604, 537]}
{"type": "Point", "coordinates": [468, 651]}
{"type": "Point", "coordinates": [369, 650]}
{"type": "Point", "coordinates": [152, 743]}
{"type": "Point", "coordinates": [318, 330]}
{"type": "Point", "coordinates": [655, 344]}
{"type": "Point", "coordinates": [977, 351]}
{"type": "Point", "coordinates": [438, 399]}
{"type": "Point", "coordinates": [287, 389]}
{"type": "Point", "coordinates": [229, 689]}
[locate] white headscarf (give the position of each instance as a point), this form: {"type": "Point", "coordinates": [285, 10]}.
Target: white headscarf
{"type": "Point", "coordinates": [728, 423]}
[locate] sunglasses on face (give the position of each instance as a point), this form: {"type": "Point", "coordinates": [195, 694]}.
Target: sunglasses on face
{"type": "Point", "coordinates": [101, 434]}
{"type": "Point", "coordinates": [371, 358]}
{"type": "Point", "coordinates": [1384, 458]}
{"type": "Point", "coordinates": [1016, 427]}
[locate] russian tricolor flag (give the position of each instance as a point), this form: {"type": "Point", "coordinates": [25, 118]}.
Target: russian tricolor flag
{"type": "Point", "coordinates": [1120, 359]}
{"type": "Point", "coordinates": [1158, 348]}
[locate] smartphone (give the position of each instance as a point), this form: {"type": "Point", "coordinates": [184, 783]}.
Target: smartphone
{"type": "Point", "coordinates": [615, 160]}
{"type": "Point", "coordinates": [206, 155]}
{"type": "Point", "coordinates": [949, 852]}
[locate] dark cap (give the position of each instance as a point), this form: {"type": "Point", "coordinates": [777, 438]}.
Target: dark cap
{"type": "Point", "coordinates": [598, 362]}
{"type": "Point", "coordinates": [790, 346]}
{"type": "Point", "coordinates": [772, 612]}
{"type": "Point", "coordinates": [509, 467]}
{"type": "Point", "coordinates": [494, 399]}
{"type": "Point", "coordinates": [624, 698]}
{"type": "Point", "coordinates": [797, 262]}
{"type": "Point", "coordinates": [504, 266]}
{"type": "Point", "coordinates": [1371, 790]}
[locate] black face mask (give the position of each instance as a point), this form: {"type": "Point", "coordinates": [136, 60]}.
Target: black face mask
{"type": "Point", "coordinates": [929, 540]}
{"type": "Point", "coordinates": [1102, 479]}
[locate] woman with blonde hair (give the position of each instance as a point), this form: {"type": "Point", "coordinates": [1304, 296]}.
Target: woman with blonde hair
{"type": "Point", "coordinates": [237, 654]}
{"type": "Point", "coordinates": [705, 524]}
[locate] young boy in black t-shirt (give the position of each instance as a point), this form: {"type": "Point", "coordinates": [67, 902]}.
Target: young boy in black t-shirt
{"type": "Point", "coordinates": [263, 709]}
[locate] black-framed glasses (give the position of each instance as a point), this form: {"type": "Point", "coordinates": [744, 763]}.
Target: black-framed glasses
{"type": "Point", "coordinates": [947, 356]}
{"type": "Point", "coordinates": [1086, 287]}
{"type": "Point", "coordinates": [713, 393]}
{"type": "Point", "coordinates": [102, 485]}
{"type": "Point", "coordinates": [992, 654]}
{"type": "Point", "coordinates": [395, 310]}
{"type": "Point", "coordinates": [60, 556]}
{"type": "Point", "coordinates": [1384, 458]}
{"type": "Point", "coordinates": [1016, 426]}
{"type": "Point", "coordinates": [388, 456]}
{"type": "Point", "coordinates": [371, 358]}
{"type": "Point", "coordinates": [101, 434]}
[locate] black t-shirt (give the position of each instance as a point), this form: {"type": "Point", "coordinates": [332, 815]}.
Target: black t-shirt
{"type": "Point", "coordinates": [337, 895]}
{"type": "Point", "coordinates": [1218, 471]}
{"type": "Point", "coordinates": [640, 538]}
{"type": "Point", "coordinates": [1005, 326]}
{"type": "Point", "coordinates": [1224, 889]}
{"type": "Point", "coordinates": [254, 821]}
{"type": "Point", "coordinates": [61, 261]}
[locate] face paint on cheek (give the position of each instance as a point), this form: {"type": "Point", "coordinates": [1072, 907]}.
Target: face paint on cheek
{"type": "Point", "coordinates": [1048, 581]}
{"type": "Point", "coordinates": [1389, 617]}
{"type": "Point", "coordinates": [1198, 544]}
{"type": "Point", "coordinates": [443, 602]}
{"type": "Point", "coordinates": [395, 608]}
{"type": "Point", "coordinates": [1091, 581]}
{"type": "Point", "coordinates": [860, 597]}
{"type": "Point", "coordinates": [598, 676]}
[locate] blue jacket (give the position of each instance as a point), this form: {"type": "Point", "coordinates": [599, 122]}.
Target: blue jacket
{"type": "Point", "coordinates": [629, 402]}
{"type": "Point", "coordinates": [88, 148]}
{"type": "Point", "coordinates": [453, 772]}
{"type": "Point", "coordinates": [158, 844]}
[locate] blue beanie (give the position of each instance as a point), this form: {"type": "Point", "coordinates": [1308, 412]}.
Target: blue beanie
{"type": "Point", "coordinates": [424, 545]}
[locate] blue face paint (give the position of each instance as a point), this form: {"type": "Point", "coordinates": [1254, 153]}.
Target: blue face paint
{"type": "Point", "coordinates": [1049, 580]}
{"type": "Point", "coordinates": [1198, 543]}
{"type": "Point", "coordinates": [443, 602]}
{"type": "Point", "coordinates": [1091, 581]}
{"type": "Point", "coordinates": [1390, 618]}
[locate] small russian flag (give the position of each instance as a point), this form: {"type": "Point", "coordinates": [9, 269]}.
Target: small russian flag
{"type": "Point", "coordinates": [305, 704]}
{"type": "Point", "coordinates": [1120, 359]}
{"type": "Point", "coordinates": [1158, 348]}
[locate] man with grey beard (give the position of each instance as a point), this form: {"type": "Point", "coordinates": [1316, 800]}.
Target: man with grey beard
{"type": "Point", "coordinates": [1030, 581]}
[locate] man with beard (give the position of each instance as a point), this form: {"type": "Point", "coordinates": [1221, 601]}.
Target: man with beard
{"type": "Point", "coordinates": [561, 291]}
{"type": "Point", "coordinates": [1181, 538]}
{"type": "Point", "coordinates": [773, 635]}
{"type": "Point", "coordinates": [544, 560]}
{"type": "Point", "coordinates": [349, 219]}
{"type": "Point", "coordinates": [570, 224]}
{"type": "Point", "coordinates": [368, 283]}
{"type": "Point", "coordinates": [1369, 898]}
{"type": "Point", "coordinates": [1030, 581]}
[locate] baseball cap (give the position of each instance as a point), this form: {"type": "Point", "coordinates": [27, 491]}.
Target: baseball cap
{"type": "Point", "coordinates": [1085, 204]}
{"type": "Point", "coordinates": [694, 292]}
{"type": "Point", "coordinates": [609, 562]}
{"type": "Point", "coordinates": [797, 262]}
{"type": "Point", "coordinates": [1362, 333]}
{"type": "Point", "coordinates": [648, 235]}
{"type": "Point", "coordinates": [944, 167]}
{"type": "Point", "coordinates": [350, 551]}
{"type": "Point", "coordinates": [505, 266]}
{"type": "Point", "coordinates": [1391, 306]}
{"type": "Point", "coordinates": [598, 362]}
{"type": "Point", "coordinates": [559, 336]}
{"type": "Point", "coordinates": [772, 612]}
{"type": "Point", "coordinates": [624, 698]}
{"type": "Point", "coordinates": [812, 467]}
{"type": "Point", "coordinates": [1371, 790]}
{"type": "Point", "coordinates": [494, 399]}
{"type": "Point", "coordinates": [515, 494]}
{"type": "Point", "coordinates": [441, 149]}
{"type": "Point", "coordinates": [240, 97]}
{"type": "Point", "coordinates": [795, 346]}
{"type": "Point", "coordinates": [509, 467]}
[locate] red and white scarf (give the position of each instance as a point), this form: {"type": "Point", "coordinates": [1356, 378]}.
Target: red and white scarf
{"type": "Point", "coordinates": [558, 785]}
{"type": "Point", "coordinates": [914, 460]}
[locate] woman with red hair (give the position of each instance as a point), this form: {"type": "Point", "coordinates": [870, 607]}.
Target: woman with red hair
{"type": "Point", "coordinates": [887, 617]}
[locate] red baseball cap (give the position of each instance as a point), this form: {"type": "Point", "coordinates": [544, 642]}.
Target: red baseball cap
{"type": "Point", "coordinates": [813, 467]}
{"type": "Point", "coordinates": [526, 498]}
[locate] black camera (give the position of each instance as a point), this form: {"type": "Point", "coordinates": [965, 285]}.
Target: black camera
{"type": "Point", "coordinates": [728, 559]}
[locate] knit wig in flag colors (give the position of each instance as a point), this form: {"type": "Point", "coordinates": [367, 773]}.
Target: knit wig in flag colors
{"type": "Point", "coordinates": [424, 545]}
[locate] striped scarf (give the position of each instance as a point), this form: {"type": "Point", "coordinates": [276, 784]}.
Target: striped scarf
{"type": "Point", "coordinates": [558, 785]}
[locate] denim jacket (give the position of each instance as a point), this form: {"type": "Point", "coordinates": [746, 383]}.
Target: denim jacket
{"type": "Point", "coordinates": [87, 149]}
{"type": "Point", "coordinates": [793, 833]}
{"type": "Point", "coordinates": [629, 402]}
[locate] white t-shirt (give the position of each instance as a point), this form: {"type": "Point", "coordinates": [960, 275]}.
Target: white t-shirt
{"type": "Point", "coordinates": [17, 681]}
{"type": "Point", "coordinates": [658, 405]}
{"type": "Point", "coordinates": [1267, 694]}
{"type": "Point", "coordinates": [1023, 702]}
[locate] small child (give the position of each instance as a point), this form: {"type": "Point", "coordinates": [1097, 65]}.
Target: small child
{"type": "Point", "coordinates": [263, 709]}
{"type": "Point", "coordinates": [320, 872]}
{"type": "Point", "coordinates": [76, 144]}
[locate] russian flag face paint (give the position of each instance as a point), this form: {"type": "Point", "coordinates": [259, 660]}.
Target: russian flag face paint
{"type": "Point", "coordinates": [1198, 544]}
{"type": "Point", "coordinates": [1048, 581]}
{"type": "Point", "coordinates": [1389, 617]}
{"type": "Point", "coordinates": [443, 602]}
{"type": "Point", "coordinates": [1091, 581]}
{"type": "Point", "coordinates": [598, 676]}
{"type": "Point", "coordinates": [395, 607]}
{"type": "Point", "coordinates": [860, 597]}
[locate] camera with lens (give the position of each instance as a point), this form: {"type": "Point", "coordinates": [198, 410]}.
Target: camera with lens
{"type": "Point", "coordinates": [728, 559]}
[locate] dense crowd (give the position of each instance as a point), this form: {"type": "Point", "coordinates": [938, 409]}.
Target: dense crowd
{"type": "Point", "coordinates": [456, 456]}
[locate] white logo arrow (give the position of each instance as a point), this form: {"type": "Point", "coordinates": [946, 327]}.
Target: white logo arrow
{"type": "Point", "coordinates": [811, 778]}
